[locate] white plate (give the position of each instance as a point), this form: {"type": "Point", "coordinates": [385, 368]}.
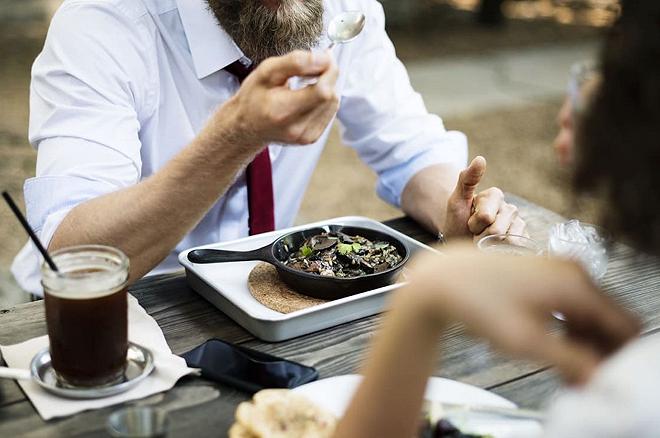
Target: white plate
{"type": "Point", "coordinates": [335, 393]}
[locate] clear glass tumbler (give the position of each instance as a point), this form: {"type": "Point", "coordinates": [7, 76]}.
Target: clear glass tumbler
{"type": "Point", "coordinates": [510, 244]}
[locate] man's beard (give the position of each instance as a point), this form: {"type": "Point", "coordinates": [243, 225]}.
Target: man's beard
{"type": "Point", "coordinates": [261, 31]}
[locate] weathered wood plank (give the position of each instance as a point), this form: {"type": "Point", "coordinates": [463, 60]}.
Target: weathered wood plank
{"type": "Point", "coordinates": [22, 322]}
{"type": "Point", "coordinates": [340, 350]}
{"type": "Point", "coordinates": [10, 392]}
{"type": "Point", "coordinates": [535, 391]}
{"type": "Point", "coordinates": [188, 320]}
{"type": "Point", "coordinates": [634, 281]}
{"type": "Point", "coordinates": [194, 407]}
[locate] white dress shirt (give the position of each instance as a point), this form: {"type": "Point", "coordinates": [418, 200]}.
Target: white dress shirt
{"type": "Point", "coordinates": [121, 86]}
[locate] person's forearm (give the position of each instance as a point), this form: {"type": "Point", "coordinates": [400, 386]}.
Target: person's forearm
{"type": "Point", "coordinates": [147, 220]}
{"type": "Point", "coordinates": [425, 196]}
{"type": "Point", "coordinates": [389, 400]}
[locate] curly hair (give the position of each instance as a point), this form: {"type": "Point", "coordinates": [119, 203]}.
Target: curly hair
{"type": "Point", "coordinates": [619, 136]}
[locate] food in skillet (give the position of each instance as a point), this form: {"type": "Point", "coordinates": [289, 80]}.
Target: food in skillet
{"type": "Point", "coordinates": [343, 256]}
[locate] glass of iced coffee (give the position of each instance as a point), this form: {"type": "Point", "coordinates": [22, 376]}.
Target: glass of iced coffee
{"type": "Point", "coordinates": [87, 315]}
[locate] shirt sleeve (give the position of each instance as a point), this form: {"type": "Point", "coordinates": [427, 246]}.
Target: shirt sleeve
{"type": "Point", "coordinates": [385, 120]}
{"type": "Point", "coordinates": [92, 86]}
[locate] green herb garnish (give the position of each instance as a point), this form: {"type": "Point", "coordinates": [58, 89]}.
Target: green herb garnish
{"type": "Point", "coordinates": [344, 248]}
{"type": "Point", "coordinates": [306, 251]}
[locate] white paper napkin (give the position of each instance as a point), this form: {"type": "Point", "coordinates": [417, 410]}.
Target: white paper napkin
{"type": "Point", "coordinates": [142, 330]}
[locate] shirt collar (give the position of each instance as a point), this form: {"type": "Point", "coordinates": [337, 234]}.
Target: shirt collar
{"type": "Point", "coordinates": [211, 47]}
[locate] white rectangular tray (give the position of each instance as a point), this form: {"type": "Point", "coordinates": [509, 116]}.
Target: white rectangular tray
{"type": "Point", "coordinates": [225, 286]}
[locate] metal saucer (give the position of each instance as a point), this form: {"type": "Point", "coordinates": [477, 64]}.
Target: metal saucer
{"type": "Point", "coordinates": [139, 364]}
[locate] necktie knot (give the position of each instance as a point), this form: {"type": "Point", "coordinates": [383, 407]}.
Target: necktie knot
{"type": "Point", "coordinates": [240, 69]}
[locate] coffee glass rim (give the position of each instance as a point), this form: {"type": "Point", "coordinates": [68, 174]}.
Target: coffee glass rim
{"type": "Point", "coordinates": [123, 262]}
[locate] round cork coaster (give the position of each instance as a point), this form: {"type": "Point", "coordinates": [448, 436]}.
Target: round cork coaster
{"type": "Point", "coordinates": [267, 288]}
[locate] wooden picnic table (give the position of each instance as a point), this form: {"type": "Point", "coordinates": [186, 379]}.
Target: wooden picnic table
{"type": "Point", "coordinates": [197, 407]}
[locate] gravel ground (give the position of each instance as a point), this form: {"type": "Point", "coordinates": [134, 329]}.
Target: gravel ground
{"type": "Point", "coordinates": [517, 142]}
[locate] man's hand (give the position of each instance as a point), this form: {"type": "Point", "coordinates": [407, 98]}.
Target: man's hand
{"type": "Point", "coordinates": [481, 215]}
{"type": "Point", "coordinates": [265, 110]}
{"type": "Point", "coordinates": [509, 301]}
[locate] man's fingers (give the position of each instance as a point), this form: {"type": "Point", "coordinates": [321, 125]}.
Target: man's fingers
{"type": "Point", "coordinates": [310, 97]}
{"type": "Point", "coordinates": [309, 110]}
{"type": "Point", "coordinates": [294, 103]}
{"type": "Point", "coordinates": [314, 123]}
{"type": "Point", "coordinates": [518, 227]}
{"type": "Point", "coordinates": [277, 70]}
{"type": "Point", "coordinates": [504, 220]}
{"type": "Point", "coordinates": [470, 177]}
{"type": "Point", "coordinates": [486, 207]}
{"type": "Point", "coordinates": [328, 80]}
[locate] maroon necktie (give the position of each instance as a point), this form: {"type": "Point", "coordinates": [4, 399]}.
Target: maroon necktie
{"type": "Point", "coordinates": [259, 176]}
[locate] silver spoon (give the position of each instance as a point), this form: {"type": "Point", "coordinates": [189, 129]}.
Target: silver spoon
{"type": "Point", "coordinates": [343, 28]}
{"type": "Point", "coordinates": [15, 373]}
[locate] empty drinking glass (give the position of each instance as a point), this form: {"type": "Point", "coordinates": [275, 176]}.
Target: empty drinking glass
{"type": "Point", "coordinates": [510, 244]}
{"type": "Point", "coordinates": [582, 242]}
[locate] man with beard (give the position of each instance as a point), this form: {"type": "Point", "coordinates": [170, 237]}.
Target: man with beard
{"type": "Point", "coordinates": [166, 124]}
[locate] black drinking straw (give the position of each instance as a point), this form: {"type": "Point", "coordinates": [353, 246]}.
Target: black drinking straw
{"type": "Point", "coordinates": [29, 230]}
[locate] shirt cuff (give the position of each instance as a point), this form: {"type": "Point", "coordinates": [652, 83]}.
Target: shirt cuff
{"type": "Point", "coordinates": [48, 200]}
{"type": "Point", "coordinates": [26, 267]}
{"type": "Point", "coordinates": [451, 150]}
{"type": "Point", "coordinates": [45, 195]}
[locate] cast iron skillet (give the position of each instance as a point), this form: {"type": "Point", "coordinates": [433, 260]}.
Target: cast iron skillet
{"type": "Point", "coordinates": [327, 288]}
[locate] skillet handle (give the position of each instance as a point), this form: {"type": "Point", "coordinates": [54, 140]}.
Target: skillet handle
{"type": "Point", "coordinates": [201, 256]}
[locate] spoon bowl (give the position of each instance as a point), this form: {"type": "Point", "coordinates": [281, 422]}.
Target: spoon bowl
{"type": "Point", "coordinates": [345, 27]}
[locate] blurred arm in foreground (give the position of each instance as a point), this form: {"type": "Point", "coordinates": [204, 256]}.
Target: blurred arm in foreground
{"type": "Point", "coordinates": [509, 301]}
{"type": "Point", "coordinates": [506, 300]}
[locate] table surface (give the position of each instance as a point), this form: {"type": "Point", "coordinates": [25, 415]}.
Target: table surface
{"type": "Point", "coordinates": [197, 407]}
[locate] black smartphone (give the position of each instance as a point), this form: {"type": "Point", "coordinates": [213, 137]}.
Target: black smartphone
{"type": "Point", "coordinates": [247, 369]}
